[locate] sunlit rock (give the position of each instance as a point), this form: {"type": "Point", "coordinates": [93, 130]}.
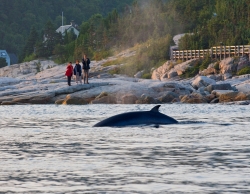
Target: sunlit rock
{"type": "Point", "coordinates": [193, 98]}
{"type": "Point", "coordinates": [218, 93]}
{"type": "Point", "coordinates": [202, 81]}
{"type": "Point", "coordinates": [233, 96]}
{"type": "Point", "coordinates": [243, 62]}
{"type": "Point", "coordinates": [228, 66]}
{"type": "Point", "coordinates": [168, 97]}
{"type": "Point", "coordinates": [129, 99]}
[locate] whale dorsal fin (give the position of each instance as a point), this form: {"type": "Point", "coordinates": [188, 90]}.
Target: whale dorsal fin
{"type": "Point", "coordinates": [156, 108]}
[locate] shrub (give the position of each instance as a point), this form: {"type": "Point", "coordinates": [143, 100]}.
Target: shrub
{"type": "Point", "coordinates": [190, 72]}
{"type": "Point", "coordinates": [146, 76]}
{"type": "Point", "coordinates": [245, 70]}
{"type": "Point", "coordinates": [3, 62]}
{"type": "Point", "coordinates": [150, 54]}
{"type": "Point", "coordinates": [179, 61]}
{"type": "Point", "coordinates": [217, 66]}
{"type": "Point", "coordinates": [30, 58]}
{"type": "Point", "coordinates": [171, 65]}
{"type": "Point", "coordinates": [38, 67]}
{"type": "Point", "coordinates": [205, 62]}
{"type": "Point", "coordinates": [193, 70]}
{"type": "Point", "coordinates": [102, 54]}
{"type": "Point", "coordinates": [116, 70]}
{"type": "Point", "coordinates": [117, 61]}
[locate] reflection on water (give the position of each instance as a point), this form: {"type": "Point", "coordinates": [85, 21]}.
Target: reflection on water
{"type": "Point", "coordinates": [54, 149]}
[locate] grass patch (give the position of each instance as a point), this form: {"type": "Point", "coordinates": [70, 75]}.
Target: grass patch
{"type": "Point", "coordinates": [38, 67]}
{"type": "Point", "coordinates": [245, 70]}
{"type": "Point", "coordinates": [116, 70]}
{"type": "Point", "coordinates": [30, 58]}
{"type": "Point", "coordinates": [150, 54]}
{"type": "Point", "coordinates": [217, 66]}
{"type": "Point", "coordinates": [193, 70]}
{"type": "Point", "coordinates": [146, 76]}
{"type": "Point", "coordinates": [102, 55]}
{"type": "Point", "coordinates": [205, 62]}
{"type": "Point", "coordinates": [118, 61]}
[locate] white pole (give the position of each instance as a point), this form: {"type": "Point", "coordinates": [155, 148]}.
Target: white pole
{"type": "Point", "coordinates": [62, 22]}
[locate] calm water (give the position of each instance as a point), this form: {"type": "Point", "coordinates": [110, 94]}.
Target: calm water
{"type": "Point", "coordinates": [54, 149]}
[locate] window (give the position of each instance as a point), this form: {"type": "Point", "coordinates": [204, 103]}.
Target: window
{"type": "Point", "coordinates": [3, 54]}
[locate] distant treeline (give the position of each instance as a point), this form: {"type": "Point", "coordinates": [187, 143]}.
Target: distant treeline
{"type": "Point", "coordinates": [103, 28]}
{"type": "Point", "coordinates": [216, 22]}
{"type": "Point", "coordinates": [17, 17]}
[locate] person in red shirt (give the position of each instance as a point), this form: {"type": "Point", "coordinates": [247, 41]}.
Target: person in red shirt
{"type": "Point", "coordinates": [69, 72]}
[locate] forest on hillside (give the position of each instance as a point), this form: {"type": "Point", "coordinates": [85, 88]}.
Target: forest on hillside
{"type": "Point", "coordinates": [18, 17]}
{"type": "Point", "coordinates": [218, 22]}
{"type": "Point", "coordinates": [148, 25]}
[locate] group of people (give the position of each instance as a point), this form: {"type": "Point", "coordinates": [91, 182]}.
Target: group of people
{"type": "Point", "coordinates": [80, 72]}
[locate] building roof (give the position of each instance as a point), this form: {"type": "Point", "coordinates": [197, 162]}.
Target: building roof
{"type": "Point", "coordinates": [62, 29]}
{"type": "Point", "coordinates": [3, 53]}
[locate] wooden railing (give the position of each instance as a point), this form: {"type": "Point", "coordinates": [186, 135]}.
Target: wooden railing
{"type": "Point", "coordinates": [220, 52]}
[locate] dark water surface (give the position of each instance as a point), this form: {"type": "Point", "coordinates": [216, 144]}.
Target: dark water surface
{"type": "Point", "coordinates": [55, 149]}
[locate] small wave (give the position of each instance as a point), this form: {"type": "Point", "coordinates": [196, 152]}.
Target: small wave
{"type": "Point", "coordinates": [191, 122]}
{"type": "Point", "coordinates": [224, 124]}
{"type": "Point", "coordinates": [202, 122]}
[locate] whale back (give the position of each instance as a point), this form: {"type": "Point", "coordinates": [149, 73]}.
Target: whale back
{"type": "Point", "coordinates": [137, 118]}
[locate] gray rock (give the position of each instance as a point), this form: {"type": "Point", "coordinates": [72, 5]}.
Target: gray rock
{"type": "Point", "coordinates": [105, 75]}
{"type": "Point", "coordinates": [105, 100]}
{"type": "Point", "coordinates": [216, 100]}
{"type": "Point", "coordinates": [244, 62]}
{"type": "Point", "coordinates": [222, 86]}
{"type": "Point", "coordinates": [218, 93]}
{"type": "Point", "coordinates": [243, 87]}
{"type": "Point", "coordinates": [242, 102]}
{"type": "Point", "coordinates": [129, 99]}
{"type": "Point", "coordinates": [172, 73]}
{"type": "Point", "coordinates": [227, 65]}
{"type": "Point", "coordinates": [201, 90]}
{"type": "Point", "coordinates": [138, 74]}
{"type": "Point", "coordinates": [227, 76]}
{"type": "Point", "coordinates": [8, 103]}
{"type": "Point", "coordinates": [144, 99]}
{"type": "Point", "coordinates": [168, 97]}
{"type": "Point", "coordinates": [214, 77]}
{"type": "Point", "coordinates": [202, 81]}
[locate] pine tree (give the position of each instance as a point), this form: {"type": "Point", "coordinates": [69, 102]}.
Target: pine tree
{"type": "Point", "coordinates": [31, 42]}
{"type": "Point", "coordinates": [3, 62]}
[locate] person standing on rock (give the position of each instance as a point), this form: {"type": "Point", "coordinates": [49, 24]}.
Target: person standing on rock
{"type": "Point", "coordinates": [85, 67]}
{"type": "Point", "coordinates": [78, 72]}
{"type": "Point", "coordinates": [69, 72]}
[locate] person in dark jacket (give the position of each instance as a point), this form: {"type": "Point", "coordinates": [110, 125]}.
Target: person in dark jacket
{"type": "Point", "coordinates": [69, 72]}
{"type": "Point", "coordinates": [78, 72]}
{"type": "Point", "coordinates": [85, 67]}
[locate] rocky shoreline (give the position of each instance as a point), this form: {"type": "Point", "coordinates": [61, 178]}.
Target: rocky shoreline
{"type": "Point", "coordinates": [43, 82]}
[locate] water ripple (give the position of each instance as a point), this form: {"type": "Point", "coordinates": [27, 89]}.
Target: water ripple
{"type": "Point", "coordinates": [44, 149]}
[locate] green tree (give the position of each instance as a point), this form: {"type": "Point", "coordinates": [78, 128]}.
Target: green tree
{"type": "Point", "coordinates": [3, 62]}
{"type": "Point", "coordinates": [51, 39]}
{"type": "Point", "coordinates": [30, 44]}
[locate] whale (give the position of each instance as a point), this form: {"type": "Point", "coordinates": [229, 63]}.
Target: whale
{"type": "Point", "coordinates": [152, 117]}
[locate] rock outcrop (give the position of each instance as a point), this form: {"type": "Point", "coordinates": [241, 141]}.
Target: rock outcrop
{"type": "Point", "coordinates": [43, 82]}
